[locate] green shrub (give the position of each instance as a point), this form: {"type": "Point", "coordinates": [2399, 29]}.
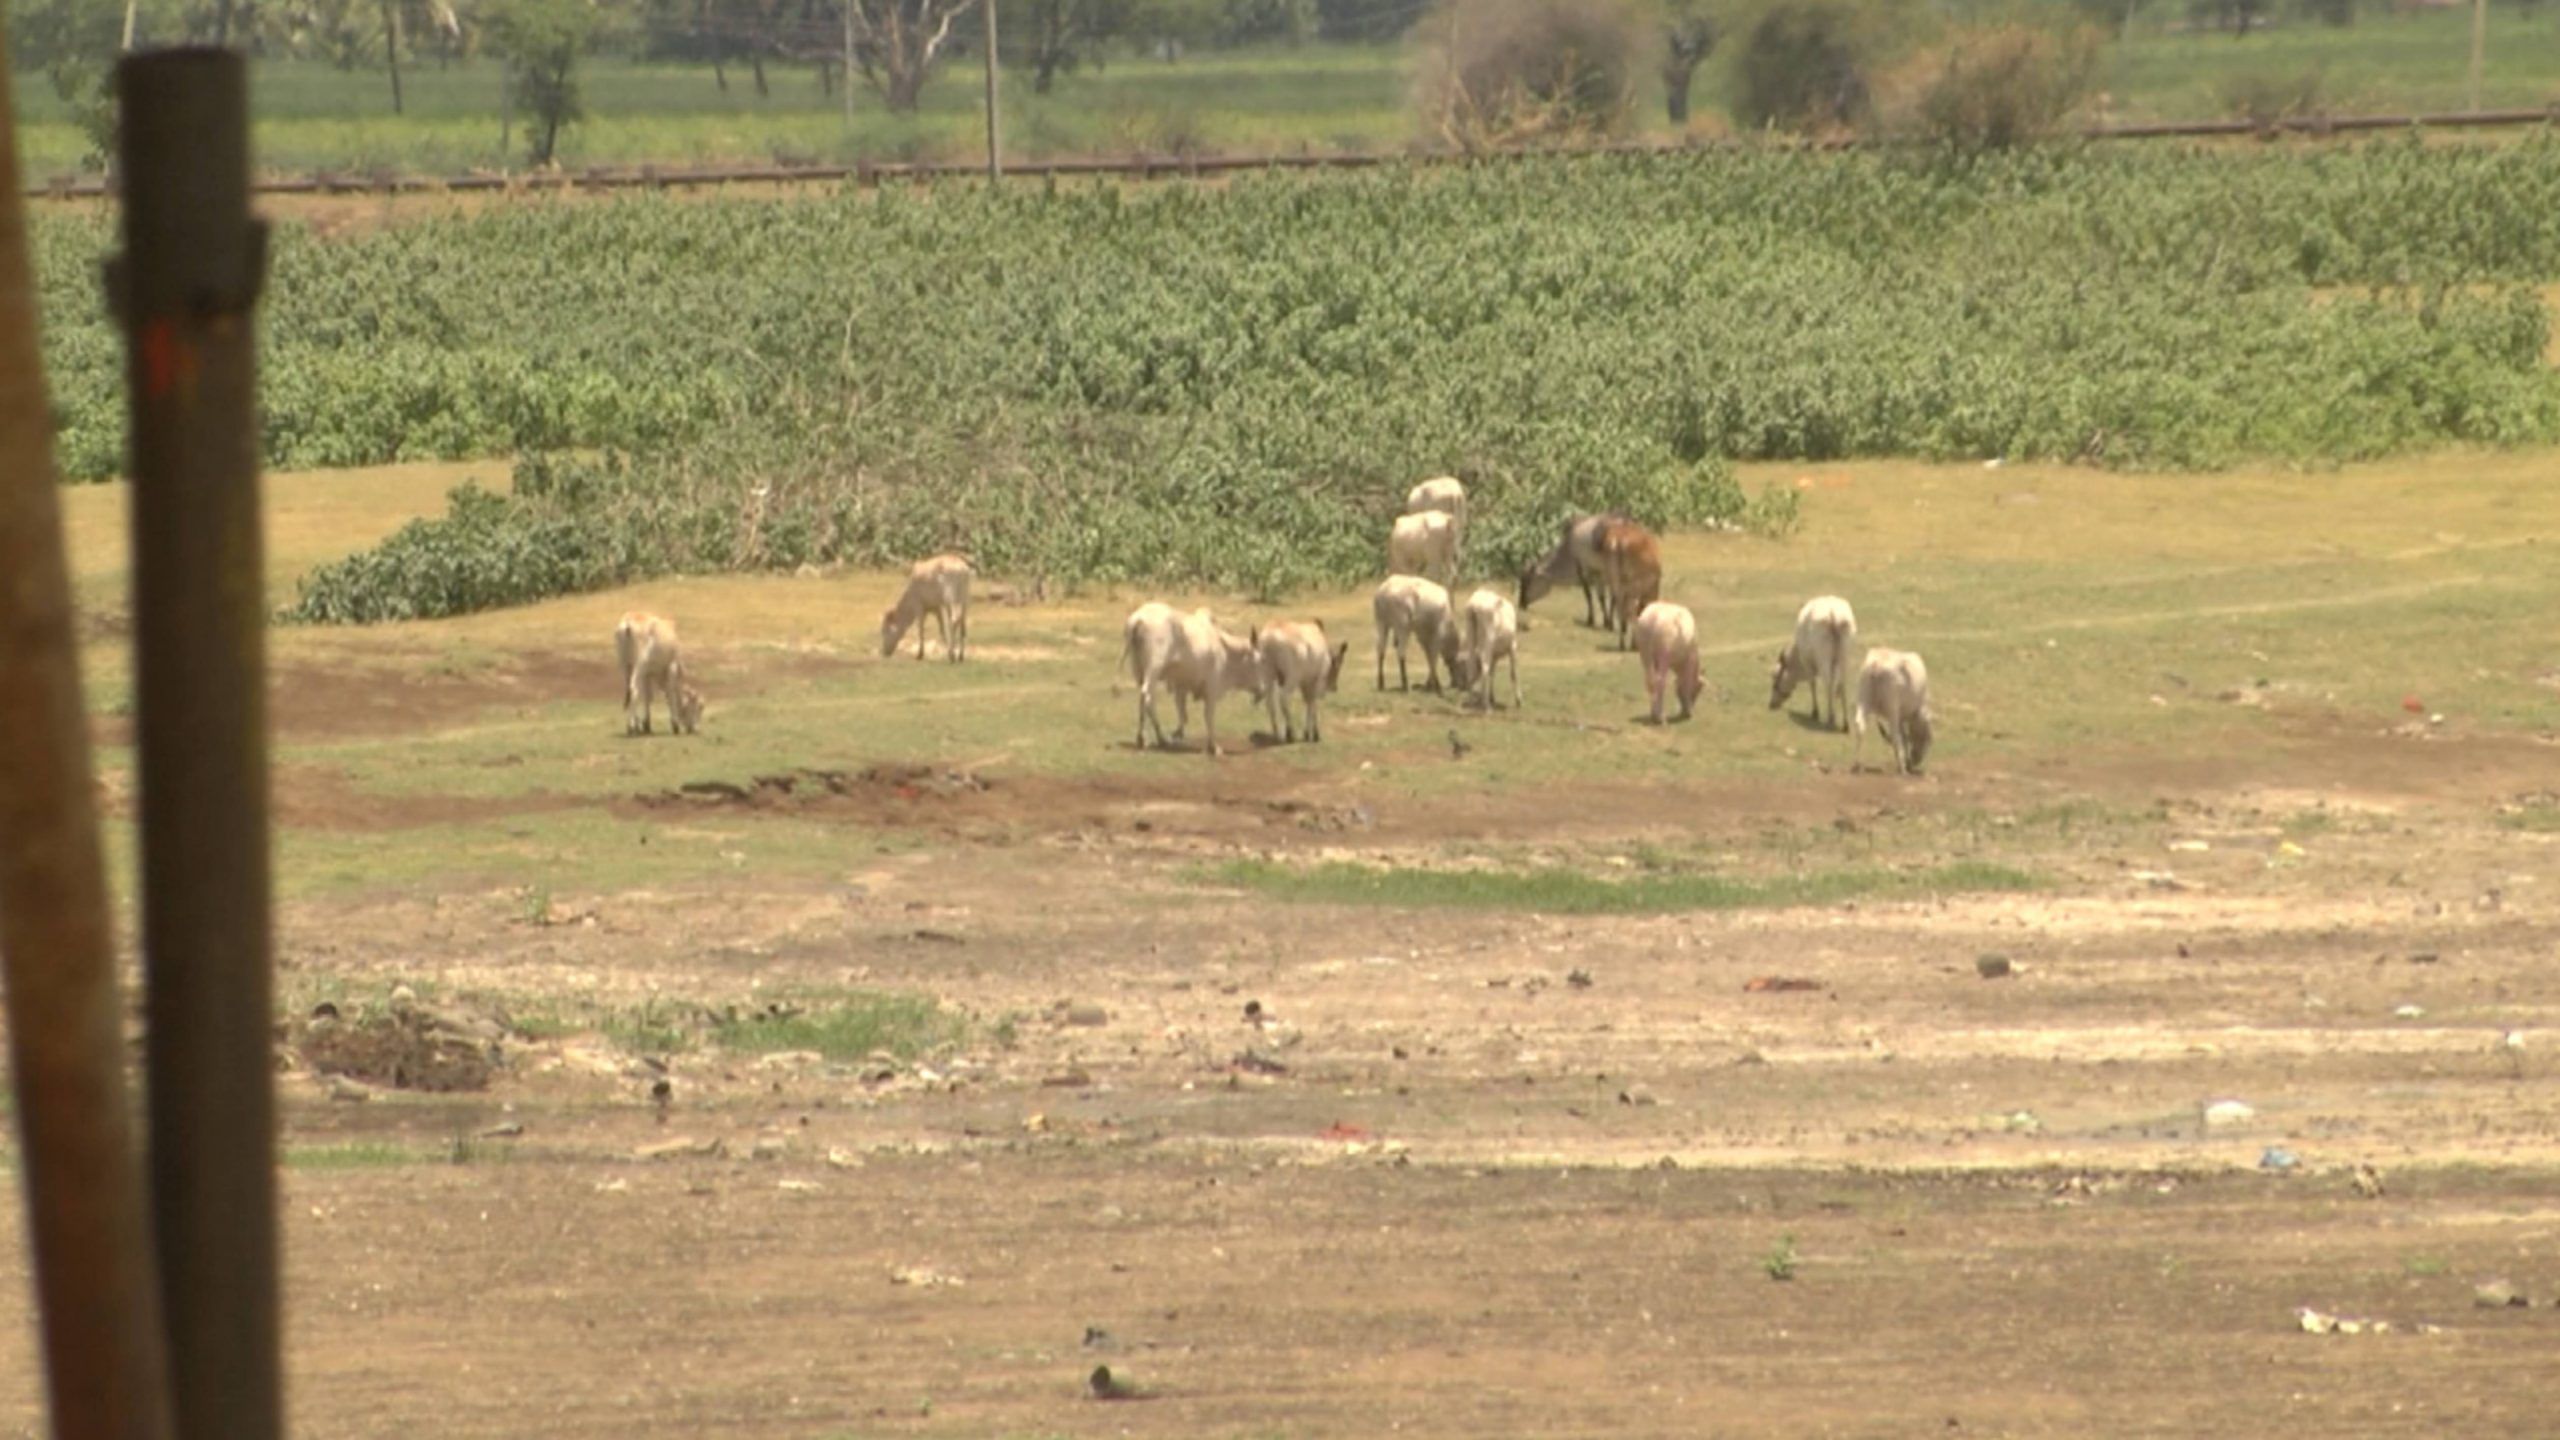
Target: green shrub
{"type": "Point", "coordinates": [1998, 87]}
{"type": "Point", "coordinates": [1505, 73]}
{"type": "Point", "coordinates": [1803, 65]}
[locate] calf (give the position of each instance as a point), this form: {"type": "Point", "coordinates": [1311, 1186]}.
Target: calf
{"type": "Point", "coordinates": [1443, 494]}
{"type": "Point", "coordinates": [1408, 605]}
{"type": "Point", "coordinates": [1189, 655]}
{"type": "Point", "coordinates": [1893, 687]}
{"type": "Point", "coordinates": [1631, 566]}
{"type": "Point", "coordinates": [653, 662]}
{"type": "Point", "coordinates": [938, 587]}
{"type": "Point", "coordinates": [1825, 628]}
{"type": "Point", "coordinates": [1493, 632]}
{"type": "Point", "coordinates": [1667, 642]}
{"type": "Point", "coordinates": [1297, 656]}
{"type": "Point", "coordinates": [1424, 544]}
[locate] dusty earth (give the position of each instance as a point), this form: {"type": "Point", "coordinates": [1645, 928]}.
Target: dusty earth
{"type": "Point", "coordinates": [1311, 1170]}
{"type": "Point", "coordinates": [1919, 1166]}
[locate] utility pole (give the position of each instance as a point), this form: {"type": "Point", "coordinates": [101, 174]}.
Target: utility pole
{"type": "Point", "coordinates": [2479, 46]}
{"type": "Point", "coordinates": [184, 291]}
{"type": "Point", "coordinates": [391, 48]}
{"type": "Point", "coordinates": [848, 62]}
{"type": "Point", "coordinates": [995, 156]}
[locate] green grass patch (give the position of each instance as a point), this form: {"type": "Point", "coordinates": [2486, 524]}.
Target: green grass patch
{"type": "Point", "coordinates": [1571, 892]}
{"type": "Point", "coordinates": [846, 1028]}
{"type": "Point", "coordinates": [353, 1155]}
{"type": "Point", "coordinates": [2534, 817]}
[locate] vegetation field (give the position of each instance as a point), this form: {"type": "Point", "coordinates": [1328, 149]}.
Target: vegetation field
{"type": "Point", "coordinates": [314, 116]}
{"type": "Point", "coordinates": [1605, 1073]}
{"type": "Point", "coordinates": [1235, 385]}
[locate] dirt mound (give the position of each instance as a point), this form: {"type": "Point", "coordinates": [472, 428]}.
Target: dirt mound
{"type": "Point", "coordinates": [801, 787]}
{"type": "Point", "coordinates": [408, 1047]}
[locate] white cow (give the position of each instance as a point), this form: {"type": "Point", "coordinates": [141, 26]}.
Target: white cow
{"type": "Point", "coordinates": [1408, 605]}
{"type": "Point", "coordinates": [1189, 655]}
{"type": "Point", "coordinates": [1298, 656]}
{"type": "Point", "coordinates": [653, 663]}
{"type": "Point", "coordinates": [1426, 545]}
{"type": "Point", "coordinates": [1893, 687]}
{"type": "Point", "coordinates": [1667, 643]}
{"type": "Point", "coordinates": [938, 587]}
{"type": "Point", "coordinates": [1493, 632]}
{"type": "Point", "coordinates": [1825, 629]}
{"type": "Point", "coordinates": [1443, 494]}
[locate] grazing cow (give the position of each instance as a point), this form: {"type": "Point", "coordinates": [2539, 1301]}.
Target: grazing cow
{"type": "Point", "coordinates": [1189, 655]}
{"type": "Point", "coordinates": [938, 587]}
{"type": "Point", "coordinates": [653, 663]}
{"type": "Point", "coordinates": [1443, 494]}
{"type": "Point", "coordinates": [1493, 633]}
{"type": "Point", "coordinates": [1577, 554]}
{"type": "Point", "coordinates": [1893, 688]}
{"type": "Point", "coordinates": [1408, 605]}
{"type": "Point", "coordinates": [1426, 545]}
{"type": "Point", "coordinates": [1667, 642]}
{"type": "Point", "coordinates": [1298, 656]}
{"type": "Point", "coordinates": [1825, 628]}
{"type": "Point", "coordinates": [1631, 565]}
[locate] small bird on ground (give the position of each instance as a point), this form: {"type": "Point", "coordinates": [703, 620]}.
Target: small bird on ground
{"type": "Point", "coordinates": [1458, 748]}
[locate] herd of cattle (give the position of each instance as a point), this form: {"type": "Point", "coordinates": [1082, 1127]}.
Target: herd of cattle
{"type": "Point", "coordinates": [1617, 563]}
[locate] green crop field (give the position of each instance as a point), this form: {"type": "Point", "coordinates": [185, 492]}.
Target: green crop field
{"type": "Point", "coordinates": [1236, 384]}
{"type": "Point", "coordinates": [312, 116]}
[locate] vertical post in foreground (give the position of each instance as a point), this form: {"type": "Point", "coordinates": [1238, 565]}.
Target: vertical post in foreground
{"type": "Point", "coordinates": [105, 1372]}
{"type": "Point", "coordinates": [995, 156]}
{"type": "Point", "coordinates": [184, 290]}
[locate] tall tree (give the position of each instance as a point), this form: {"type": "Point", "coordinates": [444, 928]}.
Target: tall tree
{"type": "Point", "coordinates": [1689, 34]}
{"type": "Point", "coordinates": [1057, 36]}
{"type": "Point", "coordinates": [897, 42]}
{"type": "Point", "coordinates": [541, 42]}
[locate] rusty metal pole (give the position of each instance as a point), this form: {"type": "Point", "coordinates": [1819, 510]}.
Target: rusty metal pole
{"type": "Point", "coordinates": [184, 290]}
{"type": "Point", "coordinates": [105, 1370]}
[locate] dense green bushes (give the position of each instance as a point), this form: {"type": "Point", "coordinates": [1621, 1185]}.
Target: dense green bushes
{"type": "Point", "coordinates": [1235, 385]}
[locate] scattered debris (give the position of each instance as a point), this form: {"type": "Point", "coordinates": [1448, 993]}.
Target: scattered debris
{"type": "Point", "coordinates": [936, 937]}
{"type": "Point", "coordinates": [1076, 1079]}
{"type": "Point", "coordinates": [1250, 1063]}
{"type": "Point", "coordinates": [1104, 1385]}
{"type": "Point", "coordinates": [1637, 1095]}
{"type": "Point", "coordinates": [504, 1130]}
{"type": "Point", "coordinates": [1087, 1015]}
{"type": "Point", "coordinates": [680, 1145]}
{"type": "Point", "coordinates": [799, 1187]}
{"type": "Point", "coordinates": [2191, 847]}
{"type": "Point", "coordinates": [2315, 1322]}
{"type": "Point", "coordinates": [1338, 1131]}
{"type": "Point", "coordinates": [408, 1046]}
{"type": "Point", "coordinates": [1777, 984]}
{"type": "Point", "coordinates": [925, 1277]}
{"type": "Point", "coordinates": [2222, 1113]}
{"type": "Point", "coordinates": [2408, 1012]}
{"type": "Point", "coordinates": [2279, 1159]}
{"type": "Point", "coordinates": [843, 1159]}
{"type": "Point", "coordinates": [1578, 979]}
{"type": "Point", "coordinates": [1992, 967]}
{"type": "Point", "coordinates": [2498, 1295]}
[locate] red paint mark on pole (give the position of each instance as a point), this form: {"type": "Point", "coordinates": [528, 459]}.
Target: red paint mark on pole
{"type": "Point", "coordinates": [168, 359]}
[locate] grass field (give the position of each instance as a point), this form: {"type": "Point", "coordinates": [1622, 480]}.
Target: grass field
{"type": "Point", "coordinates": [312, 117]}
{"type": "Point", "coordinates": [886, 1056]}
